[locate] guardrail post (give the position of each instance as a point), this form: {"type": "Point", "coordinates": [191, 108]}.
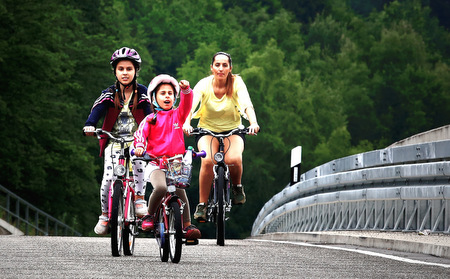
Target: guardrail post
{"type": "Point", "coordinates": [8, 208]}
{"type": "Point", "coordinates": [36, 221]}
{"type": "Point", "coordinates": [18, 214]}
{"type": "Point", "coordinates": [296, 160]}
{"type": "Point", "coordinates": [27, 219]}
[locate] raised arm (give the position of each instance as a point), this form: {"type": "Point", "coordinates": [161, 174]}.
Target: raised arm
{"type": "Point", "coordinates": [187, 128]}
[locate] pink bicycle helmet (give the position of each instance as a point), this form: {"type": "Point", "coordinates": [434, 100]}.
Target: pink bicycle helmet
{"type": "Point", "coordinates": [126, 53]}
{"type": "Point", "coordinates": [163, 78]}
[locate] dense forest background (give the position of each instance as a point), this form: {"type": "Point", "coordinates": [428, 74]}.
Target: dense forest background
{"type": "Point", "coordinates": [337, 77]}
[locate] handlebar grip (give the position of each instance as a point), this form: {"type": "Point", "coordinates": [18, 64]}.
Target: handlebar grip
{"type": "Point", "coordinates": [133, 153]}
{"type": "Point", "coordinates": [199, 154]}
{"type": "Point", "coordinates": [145, 155]}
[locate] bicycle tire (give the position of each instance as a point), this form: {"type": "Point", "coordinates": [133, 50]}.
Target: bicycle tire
{"type": "Point", "coordinates": [220, 195]}
{"type": "Point", "coordinates": [161, 236]}
{"type": "Point", "coordinates": [117, 219]}
{"type": "Point", "coordinates": [130, 229]}
{"type": "Point", "coordinates": [175, 232]}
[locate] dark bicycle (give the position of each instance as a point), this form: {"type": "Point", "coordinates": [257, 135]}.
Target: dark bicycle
{"type": "Point", "coordinates": [219, 201]}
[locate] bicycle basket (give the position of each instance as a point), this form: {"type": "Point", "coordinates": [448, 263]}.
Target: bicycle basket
{"type": "Point", "coordinates": [179, 174]}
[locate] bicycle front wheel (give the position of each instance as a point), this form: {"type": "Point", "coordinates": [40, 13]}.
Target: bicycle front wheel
{"type": "Point", "coordinates": [130, 229]}
{"type": "Point", "coordinates": [161, 236]}
{"type": "Point", "coordinates": [175, 232]}
{"type": "Point", "coordinates": [220, 196]}
{"type": "Point", "coordinates": [117, 219]}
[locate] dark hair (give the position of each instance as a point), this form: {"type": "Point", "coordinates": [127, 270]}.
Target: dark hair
{"type": "Point", "coordinates": [118, 96]}
{"type": "Point", "coordinates": [137, 66]}
{"type": "Point", "coordinates": [153, 120]}
{"type": "Point", "coordinates": [222, 53]}
{"type": "Point", "coordinates": [230, 77]}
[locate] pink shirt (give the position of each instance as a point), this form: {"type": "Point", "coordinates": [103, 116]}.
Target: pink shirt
{"type": "Point", "coordinates": [165, 137]}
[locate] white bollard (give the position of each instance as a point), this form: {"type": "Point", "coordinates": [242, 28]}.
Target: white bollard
{"type": "Point", "coordinates": [296, 160]}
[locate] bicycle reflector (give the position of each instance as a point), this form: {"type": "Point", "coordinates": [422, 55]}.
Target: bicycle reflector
{"type": "Point", "coordinates": [218, 157]}
{"type": "Point", "coordinates": [120, 170]}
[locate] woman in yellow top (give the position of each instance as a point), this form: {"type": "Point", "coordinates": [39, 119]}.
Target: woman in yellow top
{"type": "Point", "coordinates": [223, 98]}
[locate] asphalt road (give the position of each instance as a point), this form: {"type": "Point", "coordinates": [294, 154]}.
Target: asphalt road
{"type": "Point", "coordinates": [90, 257]}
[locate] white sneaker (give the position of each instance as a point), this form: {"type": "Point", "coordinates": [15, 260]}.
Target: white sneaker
{"type": "Point", "coordinates": [141, 207]}
{"type": "Point", "coordinates": [102, 226]}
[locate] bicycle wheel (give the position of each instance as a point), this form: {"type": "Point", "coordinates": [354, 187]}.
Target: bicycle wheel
{"type": "Point", "coordinates": [117, 219]}
{"type": "Point", "coordinates": [129, 230]}
{"type": "Point", "coordinates": [220, 218]}
{"type": "Point", "coordinates": [175, 232]}
{"type": "Point", "coordinates": [161, 236]}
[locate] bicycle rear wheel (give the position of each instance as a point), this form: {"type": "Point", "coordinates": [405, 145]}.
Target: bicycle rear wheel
{"type": "Point", "coordinates": [117, 219]}
{"type": "Point", "coordinates": [161, 236]}
{"type": "Point", "coordinates": [220, 195]}
{"type": "Point", "coordinates": [129, 230]}
{"type": "Point", "coordinates": [175, 232]}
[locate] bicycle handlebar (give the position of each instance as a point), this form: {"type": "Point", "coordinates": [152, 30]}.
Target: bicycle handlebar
{"type": "Point", "coordinates": [202, 131]}
{"type": "Point", "coordinates": [149, 157]}
{"type": "Point", "coordinates": [112, 136]}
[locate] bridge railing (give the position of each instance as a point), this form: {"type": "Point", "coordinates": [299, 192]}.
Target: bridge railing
{"type": "Point", "coordinates": [28, 218]}
{"type": "Point", "coordinates": [402, 188]}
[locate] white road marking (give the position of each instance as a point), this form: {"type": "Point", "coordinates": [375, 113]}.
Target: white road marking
{"type": "Point", "coordinates": [375, 254]}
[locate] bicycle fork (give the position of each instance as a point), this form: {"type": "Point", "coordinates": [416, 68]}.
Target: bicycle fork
{"type": "Point", "coordinates": [227, 188]}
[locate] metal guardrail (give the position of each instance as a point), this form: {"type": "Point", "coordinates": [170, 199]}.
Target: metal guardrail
{"type": "Point", "coordinates": [403, 188]}
{"type": "Point", "coordinates": [28, 218]}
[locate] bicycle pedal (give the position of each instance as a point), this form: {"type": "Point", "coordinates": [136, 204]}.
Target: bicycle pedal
{"type": "Point", "coordinates": [191, 242]}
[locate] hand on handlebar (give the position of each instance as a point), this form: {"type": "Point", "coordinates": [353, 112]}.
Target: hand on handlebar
{"type": "Point", "coordinates": [253, 129]}
{"type": "Point", "coordinates": [139, 152]}
{"type": "Point", "coordinates": [187, 129]}
{"type": "Point", "coordinates": [89, 130]}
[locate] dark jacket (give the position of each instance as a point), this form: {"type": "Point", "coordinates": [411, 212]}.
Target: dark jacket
{"type": "Point", "coordinates": [104, 106]}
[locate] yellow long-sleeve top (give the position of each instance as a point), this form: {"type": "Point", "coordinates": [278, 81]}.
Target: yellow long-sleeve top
{"type": "Point", "coordinates": [224, 114]}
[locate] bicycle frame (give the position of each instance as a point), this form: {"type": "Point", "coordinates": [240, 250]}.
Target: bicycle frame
{"type": "Point", "coordinates": [128, 189]}
{"type": "Point", "coordinates": [169, 213]}
{"type": "Point", "coordinates": [219, 198]}
{"type": "Point", "coordinates": [121, 197]}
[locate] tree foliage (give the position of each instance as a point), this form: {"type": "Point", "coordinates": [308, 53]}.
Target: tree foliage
{"type": "Point", "coordinates": [336, 77]}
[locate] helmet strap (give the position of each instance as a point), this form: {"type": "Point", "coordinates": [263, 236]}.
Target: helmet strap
{"type": "Point", "coordinates": [155, 103]}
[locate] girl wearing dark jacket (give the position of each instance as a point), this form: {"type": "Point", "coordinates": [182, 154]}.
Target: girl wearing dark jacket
{"type": "Point", "coordinates": [123, 105]}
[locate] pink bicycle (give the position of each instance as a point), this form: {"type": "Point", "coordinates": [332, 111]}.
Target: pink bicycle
{"type": "Point", "coordinates": [121, 198]}
{"type": "Point", "coordinates": [169, 214]}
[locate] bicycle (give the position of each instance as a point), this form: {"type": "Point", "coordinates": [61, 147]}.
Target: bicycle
{"type": "Point", "coordinates": [121, 198]}
{"type": "Point", "coordinates": [169, 214]}
{"type": "Point", "coordinates": [219, 201]}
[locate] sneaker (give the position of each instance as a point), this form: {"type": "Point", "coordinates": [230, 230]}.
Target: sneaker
{"type": "Point", "coordinates": [200, 212]}
{"type": "Point", "coordinates": [148, 224]}
{"type": "Point", "coordinates": [102, 226]}
{"type": "Point", "coordinates": [141, 207]}
{"type": "Point", "coordinates": [191, 232]}
{"type": "Point", "coordinates": [238, 194]}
